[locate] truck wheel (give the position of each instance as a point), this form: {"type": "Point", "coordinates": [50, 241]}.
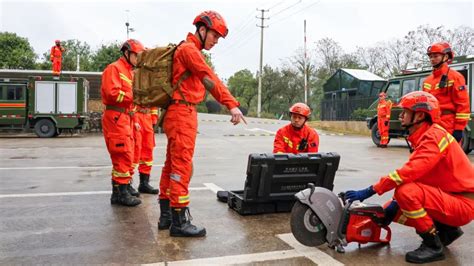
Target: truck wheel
{"type": "Point", "coordinates": [466, 141]}
{"type": "Point", "coordinates": [375, 134]}
{"type": "Point", "coordinates": [45, 128]}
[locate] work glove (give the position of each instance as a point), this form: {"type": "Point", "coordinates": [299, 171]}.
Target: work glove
{"type": "Point", "coordinates": [457, 134]}
{"type": "Point", "coordinates": [360, 195]}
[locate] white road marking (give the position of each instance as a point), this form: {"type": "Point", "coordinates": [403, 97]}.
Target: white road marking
{"type": "Point", "coordinates": [63, 167]}
{"type": "Point", "coordinates": [213, 187]}
{"type": "Point", "coordinates": [80, 193]}
{"type": "Point", "coordinates": [312, 253]}
{"type": "Point", "coordinates": [260, 129]}
{"type": "Point", "coordinates": [237, 259]}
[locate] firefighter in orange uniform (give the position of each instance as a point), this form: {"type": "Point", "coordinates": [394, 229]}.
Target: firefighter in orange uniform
{"type": "Point", "coordinates": [449, 87]}
{"type": "Point", "coordinates": [117, 121]}
{"type": "Point", "coordinates": [195, 77]}
{"type": "Point", "coordinates": [297, 136]}
{"type": "Point", "coordinates": [383, 119]}
{"type": "Point", "coordinates": [144, 136]}
{"type": "Point", "coordinates": [434, 190]}
{"type": "Point", "coordinates": [56, 57]}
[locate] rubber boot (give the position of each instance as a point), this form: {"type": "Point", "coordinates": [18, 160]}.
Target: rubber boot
{"type": "Point", "coordinates": [181, 224]}
{"type": "Point", "coordinates": [165, 215]}
{"type": "Point", "coordinates": [132, 190]}
{"type": "Point", "coordinates": [431, 249]}
{"type": "Point", "coordinates": [447, 234]}
{"type": "Point", "coordinates": [144, 186]}
{"type": "Point", "coordinates": [121, 196]}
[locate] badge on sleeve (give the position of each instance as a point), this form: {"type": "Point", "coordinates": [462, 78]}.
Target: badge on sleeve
{"type": "Point", "coordinates": [461, 88]}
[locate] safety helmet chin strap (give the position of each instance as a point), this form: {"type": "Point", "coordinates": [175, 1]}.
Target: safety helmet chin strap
{"type": "Point", "coordinates": [407, 127]}
{"type": "Point", "coordinates": [127, 58]}
{"type": "Point", "coordinates": [440, 63]}
{"type": "Point", "coordinates": [203, 41]}
{"type": "Point", "coordinates": [298, 128]}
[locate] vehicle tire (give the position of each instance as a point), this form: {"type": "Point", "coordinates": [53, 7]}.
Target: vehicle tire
{"type": "Point", "coordinates": [375, 134]}
{"type": "Point", "coordinates": [306, 226]}
{"type": "Point", "coordinates": [466, 141]}
{"type": "Point", "coordinates": [45, 128]}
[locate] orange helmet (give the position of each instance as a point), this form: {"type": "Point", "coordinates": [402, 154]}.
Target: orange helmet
{"type": "Point", "coordinates": [133, 46]}
{"type": "Point", "coordinates": [301, 109]}
{"type": "Point", "coordinates": [212, 20]}
{"type": "Point", "coordinates": [441, 48]}
{"type": "Point", "coordinates": [421, 101]}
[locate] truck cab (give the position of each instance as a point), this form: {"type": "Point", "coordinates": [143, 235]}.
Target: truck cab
{"type": "Point", "coordinates": [403, 84]}
{"type": "Point", "coordinates": [47, 105]}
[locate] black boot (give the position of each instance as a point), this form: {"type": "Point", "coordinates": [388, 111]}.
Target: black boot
{"type": "Point", "coordinates": [132, 190]}
{"type": "Point", "coordinates": [431, 249]}
{"type": "Point", "coordinates": [447, 234]}
{"type": "Point", "coordinates": [165, 215]}
{"type": "Point", "coordinates": [121, 196]}
{"type": "Point", "coordinates": [181, 224]}
{"type": "Point", "coordinates": [144, 186]}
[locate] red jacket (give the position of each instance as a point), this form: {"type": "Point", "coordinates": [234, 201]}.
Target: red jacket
{"type": "Point", "coordinates": [117, 84]}
{"type": "Point", "coordinates": [453, 99]}
{"type": "Point", "coordinates": [437, 160]}
{"type": "Point", "coordinates": [287, 139]}
{"type": "Point", "coordinates": [383, 109]}
{"type": "Point", "coordinates": [188, 57]}
{"type": "Point", "coordinates": [56, 52]}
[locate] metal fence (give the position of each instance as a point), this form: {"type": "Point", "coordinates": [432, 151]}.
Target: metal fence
{"type": "Point", "coordinates": [342, 109]}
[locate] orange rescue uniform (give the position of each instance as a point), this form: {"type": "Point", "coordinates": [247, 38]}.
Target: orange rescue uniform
{"type": "Point", "coordinates": [117, 121]}
{"type": "Point", "coordinates": [144, 138]}
{"type": "Point", "coordinates": [453, 98]}
{"type": "Point", "coordinates": [56, 58]}
{"type": "Point", "coordinates": [436, 183]}
{"type": "Point", "coordinates": [180, 122]}
{"type": "Point", "coordinates": [288, 140]}
{"type": "Point", "coordinates": [383, 119]}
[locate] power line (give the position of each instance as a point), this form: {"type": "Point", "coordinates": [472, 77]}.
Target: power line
{"type": "Point", "coordinates": [288, 7]}
{"type": "Point", "coordinates": [277, 4]}
{"type": "Point", "coordinates": [299, 11]}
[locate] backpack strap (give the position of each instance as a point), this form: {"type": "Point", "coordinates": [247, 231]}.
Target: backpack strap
{"type": "Point", "coordinates": [178, 85]}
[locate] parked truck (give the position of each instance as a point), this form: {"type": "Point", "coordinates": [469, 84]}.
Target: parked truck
{"type": "Point", "coordinates": [47, 105]}
{"type": "Point", "coordinates": [403, 84]}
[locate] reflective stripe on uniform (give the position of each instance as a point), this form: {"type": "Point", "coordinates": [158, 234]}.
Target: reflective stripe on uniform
{"type": "Point", "coordinates": [402, 219]}
{"type": "Point", "coordinates": [463, 116]}
{"type": "Point", "coordinates": [427, 86]}
{"type": "Point", "coordinates": [126, 79]}
{"type": "Point", "coordinates": [167, 192]}
{"type": "Point", "coordinates": [120, 96]}
{"type": "Point", "coordinates": [120, 174]}
{"type": "Point", "coordinates": [395, 177]}
{"type": "Point", "coordinates": [183, 199]}
{"type": "Point", "coordinates": [288, 141]}
{"type": "Point", "coordinates": [149, 163]}
{"type": "Point", "coordinates": [444, 142]}
{"type": "Point", "coordinates": [415, 214]}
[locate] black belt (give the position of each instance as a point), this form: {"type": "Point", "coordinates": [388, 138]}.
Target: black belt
{"type": "Point", "coordinates": [447, 112]}
{"type": "Point", "coordinates": [143, 110]}
{"type": "Point", "coordinates": [183, 102]}
{"type": "Point", "coordinates": [118, 109]}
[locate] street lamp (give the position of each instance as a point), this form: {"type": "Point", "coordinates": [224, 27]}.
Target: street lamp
{"type": "Point", "coordinates": [127, 24]}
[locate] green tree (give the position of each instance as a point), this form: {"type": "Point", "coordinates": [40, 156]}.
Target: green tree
{"type": "Point", "coordinates": [73, 48]}
{"type": "Point", "coordinates": [243, 86]}
{"type": "Point", "coordinates": [106, 54]}
{"type": "Point", "coordinates": [16, 52]}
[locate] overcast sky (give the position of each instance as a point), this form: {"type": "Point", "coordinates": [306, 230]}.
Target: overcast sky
{"type": "Point", "coordinates": [349, 22]}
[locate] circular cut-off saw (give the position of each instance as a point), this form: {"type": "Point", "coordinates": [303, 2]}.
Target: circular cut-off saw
{"type": "Point", "coordinates": [319, 216]}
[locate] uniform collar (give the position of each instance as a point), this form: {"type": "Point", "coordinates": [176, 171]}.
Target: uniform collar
{"type": "Point", "coordinates": [125, 63]}
{"type": "Point", "coordinates": [415, 137]}
{"type": "Point", "coordinates": [440, 71]}
{"type": "Point", "coordinates": [192, 38]}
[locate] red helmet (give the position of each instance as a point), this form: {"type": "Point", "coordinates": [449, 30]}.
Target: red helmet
{"type": "Point", "coordinates": [57, 41]}
{"type": "Point", "coordinates": [421, 101]}
{"type": "Point", "coordinates": [213, 21]}
{"type": "Point", "coordinates": [441, 48]}
{"type": "Point", "coordinates": [133, 46]}
{"type": "Point", "coordinates": [301, 109]}
{"type": "Point", "coordinates": [382, 95]}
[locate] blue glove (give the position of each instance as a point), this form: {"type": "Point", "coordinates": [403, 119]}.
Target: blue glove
{"type": "Point", "coordinates": [457, 134]}
{"type": "Point", "coordinates": [360, 195]}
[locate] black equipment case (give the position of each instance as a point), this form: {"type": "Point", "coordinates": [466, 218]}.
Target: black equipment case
{"type": "Point", "coordinates": [274, 179]}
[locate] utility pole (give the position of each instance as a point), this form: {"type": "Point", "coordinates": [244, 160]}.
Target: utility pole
{"type": "Point", "coordinates": [127, 24]}
{"type": "Point", "coordinates": [305, 68]}
{"type": "Point", "coordinates": [259, 106]}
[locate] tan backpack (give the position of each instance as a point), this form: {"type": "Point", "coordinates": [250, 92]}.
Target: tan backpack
{"type": "Point", "coordinates": [153, 74]}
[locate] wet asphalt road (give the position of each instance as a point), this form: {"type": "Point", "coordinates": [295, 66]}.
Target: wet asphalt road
{"type": "Point", "coordinates": [54, 204]}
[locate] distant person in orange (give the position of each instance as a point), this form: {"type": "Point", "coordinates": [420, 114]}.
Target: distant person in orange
{"type": "Point", "coordinates": [383, 119]}
{"type": "Point", "coordinates": [449, 87]}
{"type": "Point", "coordinates": [144, 135]}
{"type": "Point", "coordinates": [118, 123]}
{"type": "Point", "coordinates": [56, 57]}
{"type": "Point", "coordinates": [297, 136]}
